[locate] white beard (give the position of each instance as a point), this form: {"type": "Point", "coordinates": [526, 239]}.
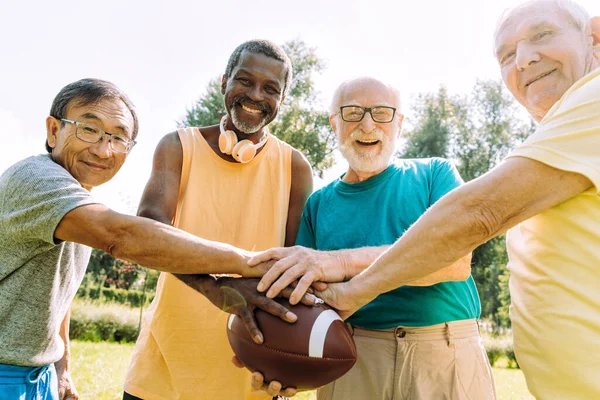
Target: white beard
{"type": "Point", "coordinates": [244, 126]}
{"type": "Point", "coordinates": [366, 160]}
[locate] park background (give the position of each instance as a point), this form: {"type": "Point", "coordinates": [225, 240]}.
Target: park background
{"type": "Point", "coordinates": [168, 56]}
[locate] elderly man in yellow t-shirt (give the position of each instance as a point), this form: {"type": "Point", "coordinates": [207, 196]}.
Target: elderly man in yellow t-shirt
{"type": "Point", "coordinates": [547, 192]}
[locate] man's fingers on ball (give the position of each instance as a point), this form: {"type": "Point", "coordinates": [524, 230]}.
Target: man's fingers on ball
{"type": "Point", "coordinates": [247, 317]}
{"type": "Point", "coordinates": [280, 267]}
{"type": "Point", "coordinates": [237, 362]}
{"type": "Point", "coordinates": [289, 392]}
{"type": "Point", "coordinates": [302, 287]}
{"type": "Point", "coordinates": [257, 381]}
{"type": "Point", "coordinates": [273, 273]}
{"type": "Point", "coordinates": [287, 292]}
{"type": "Point", "coordinates": [310, 300]}
{"type": "Point", "coordinates": [273, 307]}
{"type": "Point", "coordinates": [274, 388]}
{"type": "Point", "coordinates": [319, 285]}
{"type": "Point", "coordinates": [285, 280]}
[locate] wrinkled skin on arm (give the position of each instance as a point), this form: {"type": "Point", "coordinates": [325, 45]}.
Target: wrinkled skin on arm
{"type": "Point", "coordinates": [470, 215]}
{"type": "Point", "coordinates": [314, 267]}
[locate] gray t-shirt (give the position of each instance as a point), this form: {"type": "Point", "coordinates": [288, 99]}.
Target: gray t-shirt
{"type": "Point", "coordinates": [39, 275]}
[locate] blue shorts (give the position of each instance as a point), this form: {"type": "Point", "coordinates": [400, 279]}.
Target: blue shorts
{"type": "Point", "coordinates": [28, 383]}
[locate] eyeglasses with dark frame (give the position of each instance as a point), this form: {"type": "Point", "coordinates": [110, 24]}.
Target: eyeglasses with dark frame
{"type": "Point", "coordinates": [92, 134]}
{"type": "Point", "coordinates": [380, 114]}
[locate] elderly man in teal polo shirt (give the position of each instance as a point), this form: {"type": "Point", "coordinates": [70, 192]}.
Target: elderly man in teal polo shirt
{"type": "Point", "coordinates": [419, 341]}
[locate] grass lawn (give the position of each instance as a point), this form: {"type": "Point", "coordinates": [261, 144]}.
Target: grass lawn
{"type": "Point", "coordinates": [99, 370]}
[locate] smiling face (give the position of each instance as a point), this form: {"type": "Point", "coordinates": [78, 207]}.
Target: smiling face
{"type": "Point", "coordinates": [542, 53]}
{"type": "Point", "coordinates": [368, 146]}
{"type": "Point", "coordinates": [91, 164]}
{"type": "Point", "coordinates": [254, 91]}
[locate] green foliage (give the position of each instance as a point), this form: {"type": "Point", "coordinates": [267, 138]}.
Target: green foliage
{"type": "Point", "coordinates": [512, 359]}
{"type": "Point", "coordinates": [500, 350]}
{"type": "Point", "coordinates": [133, 298]}
{"type": "Point", "coordinates": [430, 137]}
{"type": "Point", "coordinates": [299, 121]}
{"type": "Point", "coordinates": [109, 271]}
{"type": "Point", "coordinates": [494, 353]}
{"type": "Point", "coordinates": [208, 109]}
{"type": "Point", "coordinates": [108, 323]}
{"type": "Point", "coordinates": [476, 132]}
{"type": "Point", "coordinates": [151, 280]}
{"type": "Point", "coordinates": [502, 312]}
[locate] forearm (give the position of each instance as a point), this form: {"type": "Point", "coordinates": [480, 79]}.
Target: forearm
{"type": "Point", "coordinates": [165, 248]}
{"type": "Point", "coordinates": [202, 283]}
{"type": "Point", "coordinates": [459, 271]}
{"type": "Point", "coordinates": [446, 232]}
{"type": "Point", "coordinates": [168, 249]}
{"type": "Point", "coordinates": [354, 261]}
{"type": "Point", "coordinates": [64, 364]}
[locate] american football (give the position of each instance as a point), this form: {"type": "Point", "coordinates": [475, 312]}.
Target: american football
{"type": "Point", "coordinates": [314, 351]}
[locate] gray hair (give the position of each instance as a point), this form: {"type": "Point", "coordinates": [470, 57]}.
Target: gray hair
{"type": "Point", "coordinates": [87, 92]}
{"type": "Point", "coordinates": [266, 48]}
{"type": "Point", "coordinates": [334, 107]}
{"type": "Point", "coordinates": [579, 15]}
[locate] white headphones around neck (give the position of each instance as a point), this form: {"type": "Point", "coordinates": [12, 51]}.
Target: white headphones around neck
{"type": "Point", "coordinates": [242, 151]}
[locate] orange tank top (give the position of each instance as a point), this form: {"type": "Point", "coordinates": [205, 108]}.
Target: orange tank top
{"type": "Point", "coordinates": [182, 351]}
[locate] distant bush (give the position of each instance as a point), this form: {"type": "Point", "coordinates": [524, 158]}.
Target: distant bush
{"type": "Point", "coordinates": [111, 323]}
{"type": "Point", "coordinates": [132, 298]}
{"type": "Point", "coordinates": [494, 353]}
{"type": "Point", "coordinates": [500, 350]}
{"type": "Point", "coordinates": [512, 359]}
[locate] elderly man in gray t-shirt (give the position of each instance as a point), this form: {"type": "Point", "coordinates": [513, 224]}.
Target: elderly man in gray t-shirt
{"type": "Point", "coordinates": [48, 218]}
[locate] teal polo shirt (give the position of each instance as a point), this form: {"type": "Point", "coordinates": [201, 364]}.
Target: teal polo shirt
{"type": "Point", "coordinates": [377, 212]}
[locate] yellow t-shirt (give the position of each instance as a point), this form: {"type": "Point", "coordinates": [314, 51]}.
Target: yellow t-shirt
{"type": "Point", "coordinates": [182, 351]}
{"type": "Point", "coordinates": [555, 257]}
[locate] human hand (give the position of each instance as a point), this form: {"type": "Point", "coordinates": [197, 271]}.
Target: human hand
{"type": "Point", "coordinates": [254, 271]}
{"type": "Point", "coordinates": [273, 388]}
{"type": "Point", "coordinates": [66, 387]}
{"type": "Point", "coordinates": [239, 296]}
{"type": "Point", "coordinates": [341, 297]}
{"type": "Point", "coordinates": [311, 266]}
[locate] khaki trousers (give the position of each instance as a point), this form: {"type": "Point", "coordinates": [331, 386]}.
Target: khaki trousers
{"type": "Point", "coordinates": [444, 361]}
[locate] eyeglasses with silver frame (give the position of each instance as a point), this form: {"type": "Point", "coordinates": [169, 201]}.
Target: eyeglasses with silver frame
{"type": "Point", "coordinates": [90, 133]}
{"type": "Point", "coordinates": [380, 114]}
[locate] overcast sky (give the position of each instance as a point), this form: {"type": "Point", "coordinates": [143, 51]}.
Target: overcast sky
{"type": "Point", "coordinates": [163, 53]}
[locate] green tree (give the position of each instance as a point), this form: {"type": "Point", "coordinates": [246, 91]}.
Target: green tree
{"type": "Point", "coordinates": [208, 109]}
{"type": "Point", "coordinates": [433, 115]}
{"type": "Point", "coordinates": [99, 266]}
{"type": "Point", "coordinates": [104, 270]}
{"type": "Point", "coordinates": [299, 121]}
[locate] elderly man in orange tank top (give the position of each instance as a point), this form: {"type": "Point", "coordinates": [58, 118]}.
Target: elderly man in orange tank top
{"type": "Point", "coordinates": [232, 183]}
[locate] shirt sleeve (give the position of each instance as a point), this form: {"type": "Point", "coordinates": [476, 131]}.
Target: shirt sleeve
{"type": "Point", "coordinates": [568, 138]}
{"type": "Point", "coordinates": [306, 233]}
{"type": "Point", "coordinates": [36, 199]}
{"type": "Point", "coordinates": [445, 178]}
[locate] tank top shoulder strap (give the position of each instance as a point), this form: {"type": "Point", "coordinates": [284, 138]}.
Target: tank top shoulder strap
{"type": "Point", "coordinates": [186, 136]}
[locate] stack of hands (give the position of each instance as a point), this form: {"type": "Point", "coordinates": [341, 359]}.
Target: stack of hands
{"type": "Point", "coordinates": [298, 273]}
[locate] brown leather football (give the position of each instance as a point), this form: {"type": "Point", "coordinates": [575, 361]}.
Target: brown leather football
{"type": "Point", "coordinates": [315, 350]}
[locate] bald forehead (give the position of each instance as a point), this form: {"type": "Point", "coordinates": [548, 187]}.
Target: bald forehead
{"type": "Point", "coordinates": [366, 92]}
{"type": "Point", "coordinates": [531, 16]}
